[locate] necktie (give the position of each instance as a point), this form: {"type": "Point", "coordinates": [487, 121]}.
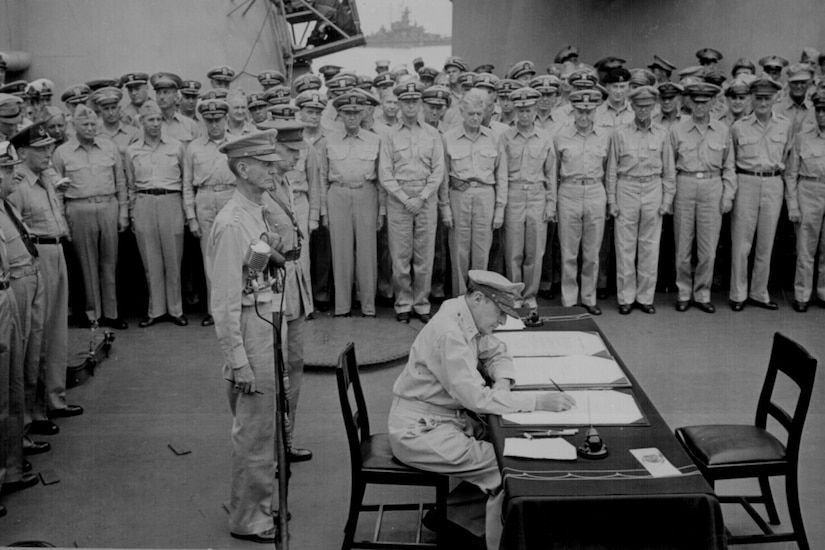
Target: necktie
{"type": "Point", "coordinates": [24, 234]}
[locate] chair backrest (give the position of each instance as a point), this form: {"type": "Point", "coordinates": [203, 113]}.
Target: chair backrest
{"type": "Point", "coordinates": [356, 422]}
{"type": "Point", "coordinates": [796, 363]}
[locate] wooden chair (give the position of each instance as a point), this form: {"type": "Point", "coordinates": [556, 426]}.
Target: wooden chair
{"type": "Point", "coordinates": [745, 451]}
{"type": "Point", "coordinates": [372, 462]}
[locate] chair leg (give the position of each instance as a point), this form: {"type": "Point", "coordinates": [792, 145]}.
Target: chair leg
{"type": "Point", "coordinates": [792, 490]}
{"type": "Point", "coordinates": [770, 505]}
{"type": "Point", "coordinates": [442, 491]}
{"type": "Point", "coordinates": [356, 497]}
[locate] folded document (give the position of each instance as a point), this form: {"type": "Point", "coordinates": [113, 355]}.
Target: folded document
{"type": "Point", "coordinates": [554, 448]}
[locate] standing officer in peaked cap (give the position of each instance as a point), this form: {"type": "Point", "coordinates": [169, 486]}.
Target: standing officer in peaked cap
{"type": "Point", "coordinates": [271, 78]}
{"type": "Point", "coordinates": [174, 124]}
{"type": "Point", "coordinates": [137, 87]}
{"type": "Point", "coordinates": [190, 91]}
{"type": "Point", "coordinates": [111, 124]}
{"type": "Point", "coordinates": [662, 68]}
{"type": "Point", "coordinates": [708, 57]}
{"type": "Point", "coordinates": [11, 114]}
{"type": "Point", "coordinates": [220, 76]}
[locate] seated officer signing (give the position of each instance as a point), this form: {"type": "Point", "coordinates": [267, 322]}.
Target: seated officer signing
{"type": "Point", "coordinates": [444, 379]}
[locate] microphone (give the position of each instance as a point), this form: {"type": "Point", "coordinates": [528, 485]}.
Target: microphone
{"type": "Point", "coordinates": [257, 257]}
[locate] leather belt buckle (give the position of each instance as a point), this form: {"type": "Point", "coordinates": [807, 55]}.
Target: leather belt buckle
{"type": "Point", "coordinates": [700, 175]}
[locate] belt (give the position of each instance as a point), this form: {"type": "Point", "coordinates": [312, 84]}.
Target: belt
{"type": "Point", "coordinates": [460, 184]}
{"type": "Point", "coordinates": [292, 255]}
{"type": "Point", "coordinates": [426, 408]}
{"type": "Point", "coordinates": [525, 184]}
{"type": "Point", "coordinates": [45, 240]}
{"type": "Point", "coordinates": [581, 181]}
{"type": "Point", "coordinates": [4, 285]}
{"type": "Point", "coordinates": [813, 179]}
{"type": "Point", "coordinates": [411, 181]}
{"type": "Point", "coordinates": [157, 192]}
{"type": "Point", "coordinates": [765, 174]}
{"type": "Point", "coordinates": [357, 185]}
{"type": "Point", "coordinates": [701, 175]}
{"type": "Point", "coordinates": [92, 199]}
{"type": "Point", "coordinates": [20, 272]}
{"type": "Point", "coordinates": [641, 179]}
{"type": "Point", "coordinates": [217, 188]}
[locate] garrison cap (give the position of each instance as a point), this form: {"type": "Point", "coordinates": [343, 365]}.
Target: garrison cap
{"type": "Point", "coordinates": [109, 94]}
{"type": "Point", "coordinates": [662, 63]}
{"type": "Point", "coordinates": [8, 155]}
{"type": "Point", "coordinates": [84, 114]}
{"type": "Point", "coordinates": [764, 86]}
{"type": "Point", "coordinates": [341, 83]}
{"type": "Point", "coordinates": [818, 100]}
{"type": "Point", "coordinates": [350, 102]}
{"type": "Point", "coordinates": [18, 88]}
{"type": "Point", "coordinates": [743, 63]}
{"type": "Point", "coordinates": [774, 61]}
{"type": "Point", "coordinates": [382, 65]}
{"type": "Point", "coordinates": [799, 72]}
{"type": "Point", "coordinates": [484, 68]}
{"type": "Point", "coordinates": [708, 54]}
{"type": "Point", "coordinates": [271, 78]}
{"type": "Point", "coordinates": [497, 288]}
{"type": "Point", "coordinates": [739, 85]}
{"type": "Point", "coordinates": [33, 135]}
{"type": "Point", "coordinates": [213, 108]}
{"type": "Point", "coordinates": [586, 100]}
{"type": "Point", "coordinates": [384, 80]}
{"type": "Point", "coordinates": [617, 75]}
{"type": "Point", "coordinates": [45, 87]}
{"type": "Point", "coordinates": [329, 71]}
{"type": "Point", "coordinates": [282, 111]}
{"type": "Point", "coordinates": [669, 89]}
{"type": "Point", "coordinates": [429, 73]}
{"type": "Point", "coordinates": [165, 80]}
{"type": "Point", "coordinates": [134, 79]}
{"type": "Point", "coordinates": [715, 76]}
{"type": "Point", "coordinates": [506, 86]}
{"type": "Point", "coordinates": [215, 93]}
{"type": "Point", "coordinates": [566, 53]}
{"type": "Point", "coordinates": [583, 79]}
{"type": "Point", "coordinates": [609, 63]}
{"type": "Point", "coordinates": [417, 63]}
{"type": "Point", "coordinates": [643, 95]}
{"type": "Point", "coordinates": [702, 91]}
{"type": "Point", "coordinates": [291, 134]}
{"type": "Point", "coordinates": [78, 93]}
{"type": "Point", "coordinates": [307, 81]}
{"type": "Point", "coordinates": [99, 83]}
{"type": "Point", "coordinates": [485, 80]}
{"type": "Point", "coordinates": [52, 112]}
{"type": "Point", "coordinates": [221, 73]}
{"type": "Point", "coordinates": [277, 94]}
{"type": "Point", "coordinates": [457, 62]}
{"type": "Point", "coordinates": [190, 87]}
{"type": "Point", "coordinates": [642, 77]}
{"type": "Point", "coordinates": [256, 100]}
{"type": "Point", "coordinates": [522, 68]}
{"type": "Point", "coordinates": [545, 83]}
{"type": "Point", "coordinates": [311, 98]}
{"type": "Point", "coordinates": [437, 95]}
{"type": "Point", "coordinates": [526, 96]}
{"type": "Point", "coordinates": [411, 89]}
{"type": "Point", "coordinates": [364, 82]}
{"type": "Point", "coordinates": [148, 108]}
{"type": "Point", "coordinates": [259, 145]}
{"type": "Point", "coordinates": [11, 111]}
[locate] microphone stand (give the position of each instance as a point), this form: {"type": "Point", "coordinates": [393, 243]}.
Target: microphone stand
{"type": "Point", "coordinates": [281, 411]}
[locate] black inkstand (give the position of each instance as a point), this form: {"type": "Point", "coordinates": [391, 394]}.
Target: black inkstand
{"type": "Point", "coordinates": [533, 319]}
{"type": "Point", "coordinates": [593, 447]}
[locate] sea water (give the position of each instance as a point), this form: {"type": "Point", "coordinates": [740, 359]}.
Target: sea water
{"type": "Point", "coordinates": [362, 60]}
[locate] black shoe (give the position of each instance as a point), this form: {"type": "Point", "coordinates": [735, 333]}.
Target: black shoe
{"type": "Point", "coordinates": [771, 306]}
{"type": "Point", "coordinates": [624, 309]}
{"type": "Point", "coordinates": [322, 306]}
{"type": "Point", "coordinates": [707, 307]}
{"type": "Point", "coordinates": [149, 321]}
{"type": "Point", "coordinates": [27, 481]}
{"type": "Point", "coordinates": [299, 455]}
{"type": "Point", "coordinates": [116, 323]}
{"type": "Point", "coordinates": [547, 294]}
{"type": "Point", "coordinates": [423, 317]}
{"type": "Point", "coordinates": [179, 320]}
{"type": "Point", "coordinates": [601, 293]}
{"type": "Point", "coordinates": [368, 315]}
{"type": "Point", "coordinates": [36, 448]}
{"type": "Point", "coordinates": [647, 308]}
{"type": "Point", "coordinates": [800, 307]}
{"type": "Point", "coordinates": [70, 410]}
{"type": "Point", "coordinates": [339, 315]}
{"type": "Point", "coordinates": [43, 427]}
{"type": "Point", "coordinates": [27, 466]}
{"type": "Point", "coordinates": [403, 317]}
{"type": "Point", "coordinates": [267, 537]}
{"type": "Point", "coordinates": [737, 306]}
{"type": "Point", "coordinates": [208, 321]}
{"type": "Point", "coordinates": [593, 310]}
{"type": "Point", "coordinates": [682, 305]}
{"type": "Point", "coordinates": [384, 301]}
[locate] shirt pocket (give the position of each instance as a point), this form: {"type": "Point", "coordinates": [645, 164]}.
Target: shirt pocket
{"type": "Point", "coordinates": [487, 160]}
{"type": "Point", "coordinates": [716, 151]}
{"type": "Point", "coordinates": [103, 170]}
{"type": "Point", "coordinates": [748, 147]}
{"type": "Point", "coordinates": [368, 160]}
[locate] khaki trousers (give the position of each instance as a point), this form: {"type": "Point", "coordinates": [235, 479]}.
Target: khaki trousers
{"type": "Point", "coordinates": [810, 234]}
{"type": "Point", "coordinates": [525, 237]}
{"type": "Point", "coordinates": [581, 225]}
{"type": "Point", "coordinates": [30, 300]}
{"type": "Point", "coordinates": [697, 215]}
{"type": "Point", "coordinates": [55, 343]}
{"type": "Point", "coordinates": [207, 205]}
{"type": "Point", "coordinates": [11, 391]}
{"type": "Point", "coordinates": [755, 211]}
{"type": "Point", "coordinates": [472, 232]}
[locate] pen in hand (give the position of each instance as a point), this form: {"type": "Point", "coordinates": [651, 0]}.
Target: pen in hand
{"type": "Point", "coordinates": [558, 388]}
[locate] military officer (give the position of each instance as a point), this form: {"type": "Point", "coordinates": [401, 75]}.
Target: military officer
{"type": "Point", "coordinates": [446, 377]}
{"type": "Point", "coordinates": [743, 66]}
{"type": "Point", "coordinates": [238, 119]}
{"type": "Point", "coordinates": [761, 143]}
{"type": "Point", "coordinates": [772, 65]}
{"type": "Point", "coordinates": [640, 187]}
{"type": "Point", "coordinates": [220, 76]}
{"type": "Point", "coordinates": [382, 66]}
{"type": "Point", "coordinates": [341, 84]}
{"type": "Point", "coordinates": [74, 96]}
{"type": "Point", "coordinates": [96, 208]}
{"type": "Point", "coordinates": [154, 174]}
{"type": "Point", "coordinates": [705, 187]}
{"type": "Point", "coordinates": [271, 78]}
{"type": "Point", "coordinates": [110, 124]}
{"type": "Point", "coordinates": [507, 111]}
{"type": "Point", "coordinates": [805, 196]}
{"type": "Point", "coordinates": [453, 67]}
{"type": "Point", "coordinates": [581, 152]}
{"type": "Point", "coordinates": [36, 200]}
{"type": "Point", "coordinates": [709, 58]}
{"type": "Point", "coordinates": [797, 107]}
{"type": "Point", "coordinates": [173, 124]}
{"type": "Point", "coordinates": [190, 91]}
{"type": "Point", "coordinates": [523, 71]}
{"type": "Point", "coordinates": [548, 87]}
{"type": "Point", "coordinates": [307, 82]}
{"type": "Point", "coordinates": [277, 95]}
{"type": "Point", "coordinates": [738, 99]}
{"type": "Point", "coordinates": [56, 125]}
{"type": "Point", "coordinates": [11, 114]}
{"type": "Point", "coordinates": [662, 69]}
{"type": "Point", "coordinates": [256, 105]}
{"type": "Point", "coordinates": [531, 194]}
{"type": "Point", "coordinates": [349, 168]}
{"type": "Point", "coordinates": [137, 87]}
{"type": "Point", "coordinates": [411, 169]}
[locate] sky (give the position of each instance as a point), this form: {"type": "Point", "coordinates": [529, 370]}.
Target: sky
{"type": "Point", "coordinates": [436, 16]}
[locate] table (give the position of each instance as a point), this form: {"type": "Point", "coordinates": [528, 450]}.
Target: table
{"type": "Point", "coordinates": [609, 503]}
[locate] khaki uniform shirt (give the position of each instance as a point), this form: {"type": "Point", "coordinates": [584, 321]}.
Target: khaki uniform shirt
{"type": "Point", "coordinates": [761, 147]}
{"type": "Point", "coordinates": [180, 128]}
{"type": "Point", "coordinates": [609, 116]}
{"type": "Point", "coordinates": [710, 150]}
{"type": "Point", "coordinates": [531, 158]}
{"type": "Point", "coordinates": [159, 167]}
{"type": "Point", "coordinates": [36, 200]}
{"type": "Point", "coordinates": [806, 160]}
{"type": "Point", "coordinates": [16, 255]}
{"type": "Point", "coordinates": [581, 155]}
{"type": "Point", "coordinates": [203, 166]}
{"type": "Point", "coordinates": [122, 136]}
{"type": "Point", "coordinates": [802, 116]}
{"type": "Point", "coordinates": [411, 153]}
{"type": "Point", "coordinates": [306, 179]}
{"type": "Point", "coordinates": [641, 152]}
{"type": "Point", "coordinates": [352, 161]}
{"type": "Point", "coordinates": [481, 159]}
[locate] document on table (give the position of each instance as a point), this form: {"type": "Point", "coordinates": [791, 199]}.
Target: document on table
{"type": "Point", "coordinates": [569, 371]}
{"type": "Point", "coordinates": [554, 448]}
{"type": "Point", "coordinates": [552, 343]}
{"type": "Point", "coordinates": [593, 407]}
{"type": "Point", "coordinates": [655, 462]}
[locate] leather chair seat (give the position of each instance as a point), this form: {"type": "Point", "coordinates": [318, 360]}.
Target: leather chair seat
{"type": "Point", "coordinates": [728, 444]}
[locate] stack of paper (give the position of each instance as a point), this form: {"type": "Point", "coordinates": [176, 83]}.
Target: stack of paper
{"type": "Point", "coordinates": [568, 371]}
{"type": "Point", "coordinates": [593, 407]}
{"type": "Point", "coordinates": [551, 344]}
{"type": "Point", "coordinates": [554, 448]}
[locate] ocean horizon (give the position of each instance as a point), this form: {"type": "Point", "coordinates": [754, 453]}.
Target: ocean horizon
{"type": "Point", "coordinates": [362, 60]}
